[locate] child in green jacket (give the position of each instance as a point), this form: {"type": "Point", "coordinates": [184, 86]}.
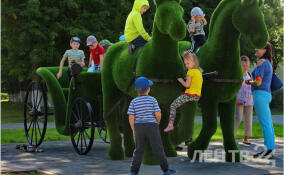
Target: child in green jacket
{"type": "Point", "coordinates": [134, 31]}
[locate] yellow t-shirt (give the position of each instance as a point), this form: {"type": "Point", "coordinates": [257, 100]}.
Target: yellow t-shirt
{"type": "Point", "coordinates": [196, 82]}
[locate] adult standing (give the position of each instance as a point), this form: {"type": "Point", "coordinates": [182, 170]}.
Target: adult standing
{"type": "Point", "coordinates": [261, 91]}
{"type": "Point", "coordinates": [244, 108]}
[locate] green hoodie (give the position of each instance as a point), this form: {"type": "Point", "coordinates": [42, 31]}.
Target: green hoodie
{"type": "Point", "coordinates": [134, 26]}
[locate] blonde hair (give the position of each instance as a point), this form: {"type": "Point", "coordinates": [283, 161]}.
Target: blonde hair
{"type": "Point", "coordinates": [192, 57]}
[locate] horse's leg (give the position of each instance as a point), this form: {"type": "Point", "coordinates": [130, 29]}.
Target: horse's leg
{"type": "Point", "coordinates": [184, 124]}
{"type": "Point", "coordinates": [129, 144]}
{"type": "Point", "coordinates": [110, 97]}
{"type": "Point", "coordinates": [227, 120]}
{"type": "Point", "coordinates": [209, 126]}
{"type": "Point", "coordinates": [168, 147]}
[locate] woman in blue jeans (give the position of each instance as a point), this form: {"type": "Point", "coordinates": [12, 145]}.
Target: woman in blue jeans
{"type": "Point", "coordinates": [261, 92]}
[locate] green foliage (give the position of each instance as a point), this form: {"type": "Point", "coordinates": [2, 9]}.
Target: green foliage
{"type": "Point", "coordinates": [273, 16]}
{"type": "Point", "coordinates": [36, 33]}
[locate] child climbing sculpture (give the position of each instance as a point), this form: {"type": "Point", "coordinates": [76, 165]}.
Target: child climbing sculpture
{"type": "Point", "coordinates": [192, 84]}
{"type": "Point", "coordinates": [134, 31]}
{"type": "Point", "coordinates": [195, 29]}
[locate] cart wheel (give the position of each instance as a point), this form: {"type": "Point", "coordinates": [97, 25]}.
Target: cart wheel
{"type": "Point", "coordinates": [81, 126]}
{"type": "Point", "coordinates": [35, 113]}
{"type": "Point", "coordinates": [103, 132]}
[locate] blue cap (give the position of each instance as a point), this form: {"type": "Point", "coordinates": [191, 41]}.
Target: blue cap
{"type": "Point", "coordinates": [122, 38]}
{"type": "Point", "coordinates": [197, 11]}
{"type": "Point", "coordinates": [91, 39]}
{"type": "Point", "coordinates": [143, 83]}
{"type": "Point", "coordinates": [75, 39]}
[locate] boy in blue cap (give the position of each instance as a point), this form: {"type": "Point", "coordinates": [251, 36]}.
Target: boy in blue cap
{"type": "Point", "coordinates": [144, 118]}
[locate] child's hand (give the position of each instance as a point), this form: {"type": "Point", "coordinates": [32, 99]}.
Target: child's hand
{"type": "Point", "coordinates": [90, 65]}
{"type": "Point", "coordinates": [193, 19]}
{"type": "Point", "coordinates": [180, 80]}
{"type": "Point", "coordinates": [59, 74]}
{"type": "Point", "coordinates": [82, 64]}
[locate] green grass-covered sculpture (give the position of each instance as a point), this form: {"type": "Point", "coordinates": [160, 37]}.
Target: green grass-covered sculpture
{"type": "Point", "coordinates": [159, 59]}
{"type": "Point", "coordinates": [221, 53]}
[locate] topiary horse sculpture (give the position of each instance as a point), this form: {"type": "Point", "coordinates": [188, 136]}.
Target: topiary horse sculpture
{"type": "Point", "coordinates": [159, 60]}
{"type": "Point", "coordinates": [222, 53]}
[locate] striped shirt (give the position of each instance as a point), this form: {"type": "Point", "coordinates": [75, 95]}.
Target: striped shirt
{"type": "Point", "coordinates": [143, 108]}
{"type": "Point", "coordinates": [77, 56]}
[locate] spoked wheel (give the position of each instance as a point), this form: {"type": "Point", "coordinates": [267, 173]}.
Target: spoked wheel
{"type": "Point", "coordinates": [103, 132]}
{"type": "Point", "coordinates": [81, 125]}
{"type": "Point", "coordinates": [35, 113]}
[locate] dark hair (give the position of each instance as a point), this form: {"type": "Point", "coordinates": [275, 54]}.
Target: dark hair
{"type": "Point", "coordinates": [268, 53]}
{"type": "Point", "coordinates": [245, 58]}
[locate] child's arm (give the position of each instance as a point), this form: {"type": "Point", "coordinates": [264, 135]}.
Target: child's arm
{"type": "Point", "coordinates": [204, 20]}
{"type": "Point", "coordinates": [192, 27]}
{"type": "Point", "coordinates": [90, 60]}
{"type": "Point", "coordinates": [59, 74]}
{"type": "Point", "coordinates": [101, 61]}
{"type": "Point", "coordinates": [186, 83]}
{"type": "Point", "coordinates": [158, 116]}
{"type": "Point", "coordinates": [82, 64]}
{"type": "Point", "coordinates": [140, 28]}
{"type": "Point", "coordinates": [131, 122]}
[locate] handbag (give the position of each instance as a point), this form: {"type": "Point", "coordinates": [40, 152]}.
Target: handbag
{"type": "Point", "coordinates": [276, 83]}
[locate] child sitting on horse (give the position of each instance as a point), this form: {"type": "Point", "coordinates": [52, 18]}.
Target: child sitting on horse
{"type": "Point", "coordinates": [134, 31]}
{"type": "Point", "coordinates": [72, 55]}
{"type": "Point", "coordinates": [96, 53]}
{"type": "Point", "coordinates": [193, 85]}
{"type": "Point", "coordinates": [195, 29]}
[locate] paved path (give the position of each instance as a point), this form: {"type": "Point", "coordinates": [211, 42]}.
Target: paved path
{"type": "Point", "coordinates": [60, 158]}
{"type": "Point", "coordinates": [275, 118]}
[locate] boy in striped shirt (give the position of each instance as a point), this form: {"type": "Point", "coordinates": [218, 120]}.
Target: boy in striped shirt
{"type": "Point", "coordinates": [144, 118]}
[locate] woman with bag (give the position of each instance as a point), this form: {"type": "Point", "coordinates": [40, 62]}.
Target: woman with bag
{"type": "Point", "coordinates": [261, 91]}
{"type": "Point", "coordinates": [244, 107]}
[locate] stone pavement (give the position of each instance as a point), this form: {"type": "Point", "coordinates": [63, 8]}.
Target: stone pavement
{"type": "Point", "coordinates": [60, 158]}
{"type": "Point", "coordinates": [275, 118]}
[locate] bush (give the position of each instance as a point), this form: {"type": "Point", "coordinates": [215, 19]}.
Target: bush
{"type": "Point", "coordinates": [277, 100]}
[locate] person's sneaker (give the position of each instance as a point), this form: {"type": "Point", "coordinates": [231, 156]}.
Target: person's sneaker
{"type": "Point", "coordinates": [264, 154]}
{"type": "Point", "coordinates": [169, 172]}
{"type": "Point", "coordinates": [134, 173]}
{"type": "Point", "coordinates": [169, 127]}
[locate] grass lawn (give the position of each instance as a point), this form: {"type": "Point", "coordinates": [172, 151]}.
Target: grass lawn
{"type": "Point", "coordinates": [13, 113]}
{"type": "Point", "coordinates": [18, 135]}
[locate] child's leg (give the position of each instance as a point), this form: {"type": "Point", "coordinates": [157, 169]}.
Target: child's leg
{"type": "Point", "coordinates": [139, 41]}
{"type": "Point", "coordinates": [154, 137]}
{"type": "Point", "coordinates": [177, 103]}
{"type": "Point", "coordinates": [192, 46]}
{"type": "Point", "coordinates": [69, 75]}
{"type": "Point", "coordinates": [199, 41]}
{"type": "Point", "coordinates": [140, 140]}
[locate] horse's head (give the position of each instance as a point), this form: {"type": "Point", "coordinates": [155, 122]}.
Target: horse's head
{"type": "Point", "coordinates": [248, 20]}
{"type": "Point", "coordinates": [169, 18]}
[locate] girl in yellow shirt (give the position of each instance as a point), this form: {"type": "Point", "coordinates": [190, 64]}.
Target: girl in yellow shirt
{"type": "Point", "coordinates": [192, 84]}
